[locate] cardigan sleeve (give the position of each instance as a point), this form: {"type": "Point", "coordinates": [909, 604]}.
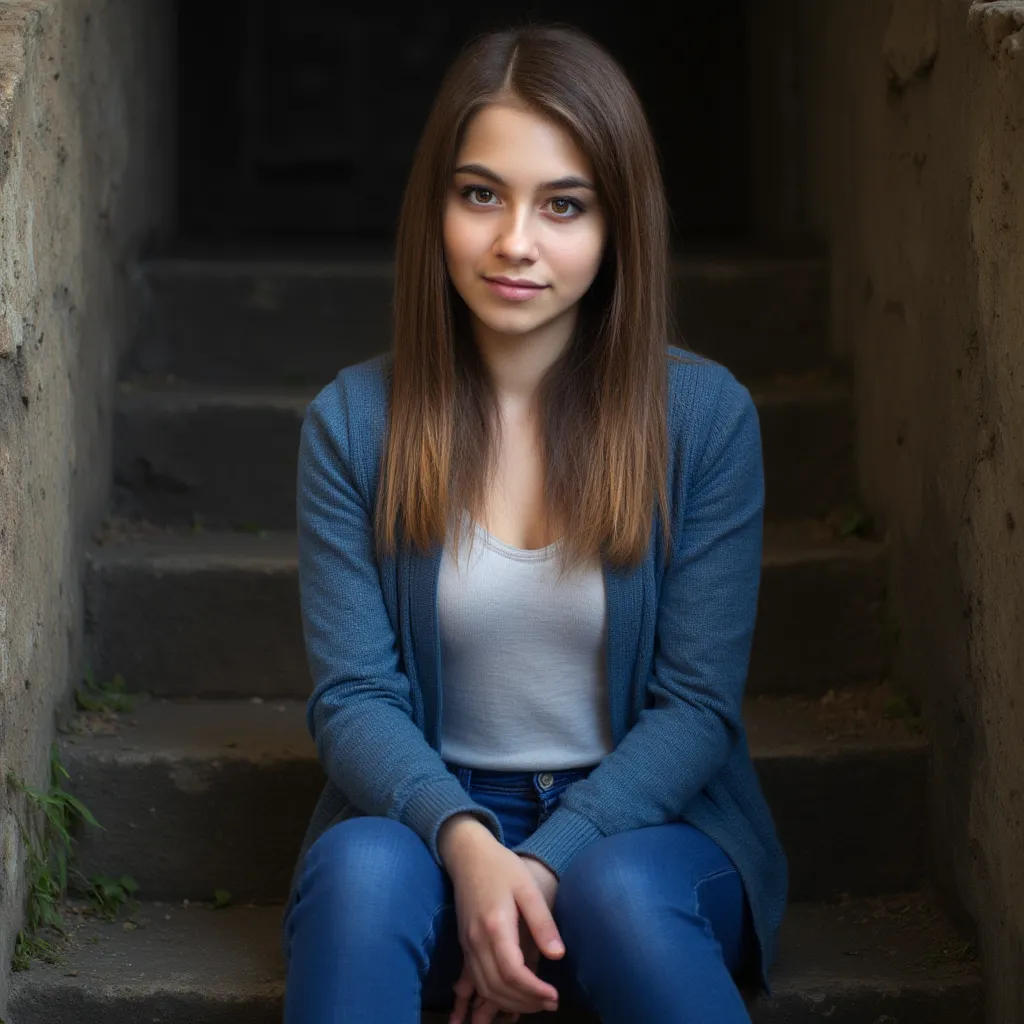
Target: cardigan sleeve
{"type": "Point", "coordinates": [360, 713]}
{"type": "Point", "coordinates": [703, 634]}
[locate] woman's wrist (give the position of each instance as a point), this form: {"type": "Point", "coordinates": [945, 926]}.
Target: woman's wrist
{"type": "Point", "coordinates": [545, 877]}
{"type": "Point", "coordinates": [459, 832]}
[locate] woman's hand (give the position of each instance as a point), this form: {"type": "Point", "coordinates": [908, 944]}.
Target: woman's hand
{"type": "Point", "coordinates": [498, 894]}
{"type": "Point", "coordinates": [546, 879]}
{"type": "Point", "coordinates": [484, 1011]}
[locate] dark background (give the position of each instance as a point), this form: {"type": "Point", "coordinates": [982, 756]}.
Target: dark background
{"type": "Point", "coordinates": [299, 119]}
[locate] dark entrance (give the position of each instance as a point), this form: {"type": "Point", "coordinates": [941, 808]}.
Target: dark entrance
{"type": "Point", "coordinates": [299, 118]}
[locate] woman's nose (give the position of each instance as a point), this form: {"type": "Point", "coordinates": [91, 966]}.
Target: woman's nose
{"type": "Point", "coordinates": [515, 238]}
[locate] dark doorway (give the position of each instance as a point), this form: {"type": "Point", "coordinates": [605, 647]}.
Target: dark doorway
{"type": "Point", "coordinates": [299, 118]}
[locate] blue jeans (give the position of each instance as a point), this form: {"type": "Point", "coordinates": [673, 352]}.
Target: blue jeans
{"type": "Point", "coordinates": [654, 920]}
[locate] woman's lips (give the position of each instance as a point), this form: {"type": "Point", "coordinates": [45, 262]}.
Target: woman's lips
{"type": "Point", "coordinates": [513, 292]}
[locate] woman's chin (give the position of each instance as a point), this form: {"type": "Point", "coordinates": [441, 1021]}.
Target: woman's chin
{"type": "Point", "coordinates": [513, 322]}
{"type": "Point", "coordinates": [511, 325]}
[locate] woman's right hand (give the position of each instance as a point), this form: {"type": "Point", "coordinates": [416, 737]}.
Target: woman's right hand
{"type": "Point", "coordinates": [493, 888]}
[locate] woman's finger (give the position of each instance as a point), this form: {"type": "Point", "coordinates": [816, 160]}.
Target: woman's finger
{"type": "Point", "coordinates": [499, 970]}
{"type": "Point", "coordinates": [518, 979]}
{"type": "Point", "coordinates": [493, 986]}
{"type": "Point", "coordinates": [508, 993]}
{"type": "Point", "coordinates": [539, 920]}
{"type": "Point", "coordinates": [488, 1012]}
{"type": "Point", "coordinates": [464, 989]}
{"type": "Point", "coordinates": [469, 1002]}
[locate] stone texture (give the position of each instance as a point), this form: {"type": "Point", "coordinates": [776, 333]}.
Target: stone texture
{"type": "Point", "coordinates": [852, 963]}
{"type": "Point", "coordinates": [81, 108]}
{"type": "Point", "coordinates": [294, 322]}
{"type": "Point", "coordinates": [156, 614]}
{"type": "Point", "coordinates": [911, 41]}
{"type": "Point", "coordinates": [194, 797]}
{"type": "Point", "coordinates": [227, 456]}
{"type": "Point", "coordinates": [921, 193]}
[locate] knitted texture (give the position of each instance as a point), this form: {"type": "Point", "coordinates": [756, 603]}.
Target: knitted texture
{"type": "Point", "coordinates": [678, 645]}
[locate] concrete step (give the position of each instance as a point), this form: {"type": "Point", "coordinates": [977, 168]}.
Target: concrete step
{"type": "Point", "coordinates": [183, 789]}
{"type": "Point", "coordinates": [228, 455]}
{"type": "Point", "coordinates": [861, 962]}
{"type": "Point", "coordinates": [217, 614]}
{"type": "Point", "coordinates": [298, 322]}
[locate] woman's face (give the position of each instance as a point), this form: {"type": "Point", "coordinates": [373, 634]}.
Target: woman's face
{"type": "Point", "coordinates": [522, 208]}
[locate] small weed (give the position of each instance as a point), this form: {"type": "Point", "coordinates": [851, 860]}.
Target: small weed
{"type": "Point", "coordinates": [198, 523]}
{"type": "Point", "coordinates": [46, 834]}
{"type": "Point", "coordinates": [957, 953]}
{"type": "Point", "coordinates": [965, 951]}
{"type": "Point", "coordinates": [28, 948]}
{"type": "Point", "coordinates": [103, 697]}
{"type": "Point", "coordinates": [856, 524]}
{"type": "Point", "coordinates": [108, 895]}
{"type": "Point", "coordinates": [902, 707]}
{"type": "Point", "coordinates": [250, 526]}
{"type": "Point", "coordinates": [898, 706]}
{"type": "Point", "coordinates": [221, 898]}
{"type": "Point", "coordinates": [892, 628]}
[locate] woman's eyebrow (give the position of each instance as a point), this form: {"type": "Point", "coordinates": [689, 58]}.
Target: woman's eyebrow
{"type": "Point", "coordinates": [570, 181]}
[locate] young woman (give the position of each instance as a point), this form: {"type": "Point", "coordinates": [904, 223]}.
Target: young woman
{"type": "Point", "coordinates": [538, 500]}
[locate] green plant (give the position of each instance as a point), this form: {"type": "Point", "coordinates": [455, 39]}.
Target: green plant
{"type": "Point", "coordinates": [954, 952]}
{"type": "Point", "coordinates": [856, 523]}
{"type": "Point", "coordinates": [103, 697]}
{"type": "Point", "coordinates": [108, 895]}
{"type": "Point", "coordinates": [250, 526]}
{"type": "Point", "coordinates": [221, 898]}
{"type": "Point", "coordinates": [46, 834]}
{"type": "Point", "coordinates": [892, 628]}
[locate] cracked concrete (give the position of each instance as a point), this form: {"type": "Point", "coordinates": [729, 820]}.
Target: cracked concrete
{"type": "Point", "coordinates": [921, 191]}
{"type": "Point", "coordinates": [82, 184]}
{"type": "Point", "coordinates": [894, 130]}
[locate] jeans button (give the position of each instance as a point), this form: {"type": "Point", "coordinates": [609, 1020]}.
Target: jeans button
{"type": "Point", "coordinates": [545, 780]}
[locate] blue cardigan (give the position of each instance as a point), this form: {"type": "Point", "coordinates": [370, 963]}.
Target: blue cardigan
{"type": "Point", "coordinates": [678, 644]}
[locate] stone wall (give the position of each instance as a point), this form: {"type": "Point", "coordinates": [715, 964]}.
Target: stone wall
{"type": "Point", "coordinates": [86, 137]}
{"type": "Point", "coordinates": [911, 165]}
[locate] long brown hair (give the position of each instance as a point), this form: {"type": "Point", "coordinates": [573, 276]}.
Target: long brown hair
{"type": "Point", "coordinates": [604, 400]}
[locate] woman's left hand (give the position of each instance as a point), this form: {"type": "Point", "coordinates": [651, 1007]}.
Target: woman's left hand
{"type": "Point", "coordinates": [483, 1010]}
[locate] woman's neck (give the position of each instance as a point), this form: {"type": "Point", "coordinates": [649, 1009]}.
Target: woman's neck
{"type": "Point", "coordinates": [517, 363]}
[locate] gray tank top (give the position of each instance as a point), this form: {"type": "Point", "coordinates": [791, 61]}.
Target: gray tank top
{"type": "Point", "coordinates": [522, 658]}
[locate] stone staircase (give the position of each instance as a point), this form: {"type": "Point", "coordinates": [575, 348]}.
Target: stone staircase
{"type": "Point", "coordinates": [192, 597]}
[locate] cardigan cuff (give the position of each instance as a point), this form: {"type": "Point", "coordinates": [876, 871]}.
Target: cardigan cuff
{"type": "Point", "coordinates": [435, 802]}
{"type": "Point", "coordinates": [560, 838]}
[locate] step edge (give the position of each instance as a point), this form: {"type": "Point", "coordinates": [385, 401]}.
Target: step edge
{"type": "Point", "coordinates": [807, 742]}
{"type": "Point", "coordinates": [189, 396]}
{"type": "Point", "coordinates": [173, 546]}
{"type": "Point", "coordinates": [377, 267]}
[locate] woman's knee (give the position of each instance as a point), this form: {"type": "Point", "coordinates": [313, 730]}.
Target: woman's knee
{"type": "Point", "coordinates": [367, 858]}
{"type": "Point", "coordinates": [606, 886]}
{"type": "Point", "coordinates": [625, 890]}
{"type": "Point", "coordinates": [369, 902]}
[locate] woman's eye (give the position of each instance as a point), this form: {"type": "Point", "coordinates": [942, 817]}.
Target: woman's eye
{"type": "Point", "coordinates": [483, 195]}
{"type": "Point", "coordinates": [565, 207]}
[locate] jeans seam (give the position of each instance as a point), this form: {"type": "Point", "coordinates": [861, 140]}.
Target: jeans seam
{"type": "Point", "coordinates": [430, 927]}
{"type": "Point", "coordinates": [710, 878]}
{"type": "Point", "coordinates": [483, 787]}
{"type": "Point", "coordinates": [430, 934]}
{"type": "Point", "coordinates": [588, 997]}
